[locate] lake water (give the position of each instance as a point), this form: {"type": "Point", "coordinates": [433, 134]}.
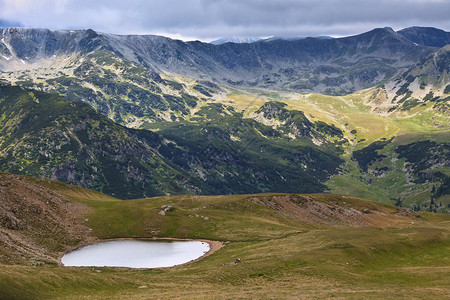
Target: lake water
{"type": "Point", "coordinates": [136, 254]}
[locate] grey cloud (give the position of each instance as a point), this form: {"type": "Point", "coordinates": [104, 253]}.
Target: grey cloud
{"type": "Point", "coordinates": [6, 23]}
{"type": "Point", "coordinates": [208, 19]}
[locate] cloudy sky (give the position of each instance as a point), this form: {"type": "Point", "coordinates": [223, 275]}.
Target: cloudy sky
{"type": "Point", "coordinates": [207, 20]}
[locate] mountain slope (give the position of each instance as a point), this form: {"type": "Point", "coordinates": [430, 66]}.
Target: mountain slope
{"type": "Point", "coordinates": [331, 66]}
{"type": "Point", "coordinates": [45, 135]}
{"type": "Point", "coordinates": [114, 86]}
{"type": "Point", "coordinates": [428, 82]}
{"type": "Point", "coordinates": [224, 147]}
{"type": "Point", "coordinates": [219, 139]}
{"type": "Point", "coordinates": [219, 152]}
{"type": "Point", "coordinates": [412, 173]}
{"type": "Point", "coordinates": [118, 75]}
{"type": "Point", "coordinates": [37, 224]}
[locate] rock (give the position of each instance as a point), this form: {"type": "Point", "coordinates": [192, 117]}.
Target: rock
{"type": "Point", "coordinates": [406, 212]}
{"type": "Point", "coordinates": [35, 262]}
{"type": "Point", "coordinates": [10, 222]}
{"type": "Point", "coordinates": [165, 208]}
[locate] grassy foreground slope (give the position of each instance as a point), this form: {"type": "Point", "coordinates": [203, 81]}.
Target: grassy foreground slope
{"type": "Point", "coordinates": [302, 246]}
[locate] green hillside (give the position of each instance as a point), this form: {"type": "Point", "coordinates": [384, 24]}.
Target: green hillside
{"type": "Point", "coordinates": [289, 245]}
{"type": "Point", "coordinates": [278, 146]}
{"type": "Point", "coordinates": [45, 135]}
{"type": "Point", "coordinates": [218, 152]}
{"type": "Point", "coordinates": [376, 166]}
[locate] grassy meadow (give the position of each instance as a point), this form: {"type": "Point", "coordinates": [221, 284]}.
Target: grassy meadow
{"type": "Point", "coordinates": [397, 256]}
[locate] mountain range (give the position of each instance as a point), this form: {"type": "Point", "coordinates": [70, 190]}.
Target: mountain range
{"type": "Point", "coordinates": [138, 116]}
{"type": "Point", "coordinates": [330, 66]}
{"type": "Point", "coordinates": [248, 40]}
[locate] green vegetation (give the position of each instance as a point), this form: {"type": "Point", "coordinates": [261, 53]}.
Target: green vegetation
{"type": "Point", "coordinates": [426, 160]}
{"type": "Point", "coordinates": [409, 104]}
{"type": "Point", "coordinates": [447, 89]}
{"type": "Point", "coordinates": [211, 139]}
{"type": "Point", "coordinates": [368, 155]}
{"type": "Point", "coordinates": [44, 135]}
{"type": "Point", "coordinates": [203, 90]}
{"type": "Point", "coordinates": [222, 149]}
{"type": "Point", "coordinates": [410, 171]}
{"type": "Point", "coordinates": [241, 155]}
{"type": "Point", "coordinates": [280, 254]}
{"type": "Point", "coordinates": [389, 143]}
{"type": "Point", "coordinates": [118, 88]}
{"type": "Point", "coordinates": [294, 123]}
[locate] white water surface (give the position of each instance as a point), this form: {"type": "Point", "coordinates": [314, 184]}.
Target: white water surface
{"type": "Point", "coordinates": [135, 254]}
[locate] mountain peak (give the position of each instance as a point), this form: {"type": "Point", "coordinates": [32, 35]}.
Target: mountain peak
{"type": "Point", "coordinates": [426, 36]}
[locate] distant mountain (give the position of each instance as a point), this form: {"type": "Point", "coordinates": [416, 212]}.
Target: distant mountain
{"type": "Point", "coordinates": [293, 38]}
{"type": "Point", "coordinates": [236, 40]}
{"type": "Point", "coordinates": [426, 82]}
{"type": "Point", "coordinates": [426, 36]}
{"type": "Point", "coordinates": [330, 66]}
{"type": "Point", "coordinates": [239, 40]}
{"type": "Point", "coordinates": [119, 76]}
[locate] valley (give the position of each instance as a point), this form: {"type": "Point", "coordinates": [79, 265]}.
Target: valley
{"type": "Point", "coordinates": [311, 136]}
{"type": "Point", "coordinates": [322, 165]}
